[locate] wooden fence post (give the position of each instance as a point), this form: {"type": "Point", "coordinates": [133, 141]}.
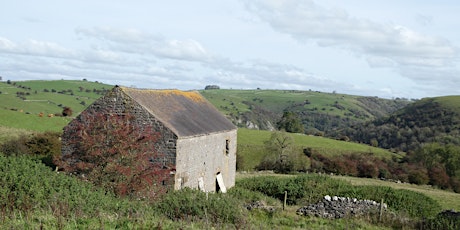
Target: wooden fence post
{"type": "Point", "coordinates": [381, 210]}
{"type": "Point", "coordinates": [285, 199]}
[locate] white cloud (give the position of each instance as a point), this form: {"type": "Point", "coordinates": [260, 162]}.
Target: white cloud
{"type": "Point", "coordinates": [35, 48]}
{"type": "Point", "coordinates": [135, 41]}
{"type": "Point", "coordinates": [383, 45]}
{"type": "Point", "coordinates": [6, 45]}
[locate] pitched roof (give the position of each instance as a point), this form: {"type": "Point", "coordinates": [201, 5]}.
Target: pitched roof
{"type": "Point", "coordinates": [186, 113]}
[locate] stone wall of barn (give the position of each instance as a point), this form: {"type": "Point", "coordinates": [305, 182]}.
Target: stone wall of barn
{"type": "Point", "coordinates": [118, 103]}
{"type": "Point", "coordinates": [201, 158]}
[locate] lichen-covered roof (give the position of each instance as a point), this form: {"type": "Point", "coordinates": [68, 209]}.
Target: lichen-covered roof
{"type": "Point", "coordinates": [186, 113]}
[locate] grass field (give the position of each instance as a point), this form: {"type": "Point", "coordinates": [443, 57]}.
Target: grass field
{"type": "Point", "coordinates": [251, 146]}
{"type": "Point", "coordinates": [231, 101]}
{"type": "Point", "coordinates": [44, 97]}
{"type": "Point", "coordinates": [448, 200]}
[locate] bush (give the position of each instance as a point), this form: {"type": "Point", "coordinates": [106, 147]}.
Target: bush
{"type": "Point", "coordinates": [191, 205]}
{"type": "Point", "coordinates": [418, 176]}
{"type": "Point", "coordinates": [446, 220]}
{"type": "Point", "coordinates": [407, 202]}
{"type": "Point", "coordinates": [28, 185]}
{"type": "Point", "coordinates": [306, 188]}
{"type": "Point", "coordinates": [367, 169]}
{"type": "Point", "coordinates": [438, 177]}
{"type": "Point", "coordinates": [44, 146]}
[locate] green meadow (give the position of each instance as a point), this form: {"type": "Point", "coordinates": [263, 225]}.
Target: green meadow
{"type": "Point", "coordinates": [252, 148]}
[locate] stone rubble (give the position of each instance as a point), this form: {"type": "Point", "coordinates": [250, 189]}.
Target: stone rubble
{"type": "Point", "coordinates": [260, 205]}
{"type": "Point", "coordinates": [339, 207]}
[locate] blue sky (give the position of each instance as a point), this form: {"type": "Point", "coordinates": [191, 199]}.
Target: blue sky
{"type": "Point", "coordinates": [387, 48]}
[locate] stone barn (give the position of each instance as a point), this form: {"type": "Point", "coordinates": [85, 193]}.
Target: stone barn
{"type": "Point", "coordinates": [194, 137]}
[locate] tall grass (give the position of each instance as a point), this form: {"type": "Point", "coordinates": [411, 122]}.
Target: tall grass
{"type": "Point", "coordinates": [32, 197]}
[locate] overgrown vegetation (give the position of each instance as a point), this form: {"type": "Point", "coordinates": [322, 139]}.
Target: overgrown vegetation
{"type": "Point", "coordinates": [43, 146]}
{"type": "Point", "coordinates": [282, 155]}
{"type": "Point", "coordinates": [33, 196]}
{"type": "Point", "coordinates": [113, 152]}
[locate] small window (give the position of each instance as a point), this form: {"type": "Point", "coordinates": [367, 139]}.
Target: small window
{"type": "Point", "coordinates": [227, 147]}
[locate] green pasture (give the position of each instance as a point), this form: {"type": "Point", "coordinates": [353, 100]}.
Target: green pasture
{"type": "Point", "coordinates": [251, 146]}
{"type": "Point", "coordinates": [451, 102]}
{"type": "Point", "coordinates": [448, 200]}
{"type": "Point", "coordinates": [31, 122]}
{"type": "Point", "coordinates": [24, 114]}
{"type": "Point", "coordinates": [233, 102]}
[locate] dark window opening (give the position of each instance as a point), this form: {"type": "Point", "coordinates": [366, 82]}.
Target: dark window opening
{"type": "Point", "coordinates": [227, 147]}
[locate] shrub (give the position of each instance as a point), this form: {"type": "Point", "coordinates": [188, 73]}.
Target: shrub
{"type": "Point", "coordinates": [191, 205]}
{"type": "Point", "coordinates": [44, 146]}
{"type": "Point", "coordinates": [407, 202]}
{"type": "Point", "coordinates": [438, 177]}
{"type": "Point", "coordinates": [28, 185]}
{"type": "Point", "coordinates": [367, 169]}
{"type": "Point", "coordinates": [445, 220]}
{"type": "Point", "coordinates": [418, 175]}
{"type": "Point", "coordinates": [15, 147]}
{"type": "Point", "coordinates": [300, 189]}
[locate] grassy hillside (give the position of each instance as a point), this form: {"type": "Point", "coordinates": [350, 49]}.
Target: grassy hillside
{"type": "Point", "coordinates": [427, 120]}
{"type": "Point", "coordinates": [318, 111]}
{"type": "Point", "coordinates": [22, 102]}
{"type": "Point", "coordinates": [448, 200]}
{"type": "Point", "coordinates": [251, 147]}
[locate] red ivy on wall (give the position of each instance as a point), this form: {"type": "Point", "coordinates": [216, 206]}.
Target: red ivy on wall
{"type": "Point", "coordinates": [111, 151]}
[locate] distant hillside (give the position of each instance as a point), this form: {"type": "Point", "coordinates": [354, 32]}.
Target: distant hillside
{"type": "Point", "coordinates": [427, 120]}
{"type": "Point", "coordinates": [319, 112]}
{"type": "Point", "coordinates": [33, 105]}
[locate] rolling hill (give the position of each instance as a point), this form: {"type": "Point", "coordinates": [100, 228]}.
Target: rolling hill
{"type": "Point", "coordinates": [427, 120]}
{"type": "Point", "coordinates": [24, 101]}
{"type": "Point", "coordinates": [318, 111]}
{"type": "Point", "coordinates": [392, 124]}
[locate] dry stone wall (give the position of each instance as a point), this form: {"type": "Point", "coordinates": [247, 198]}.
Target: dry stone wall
{"type": "Point", "coordinates": [340, 207]}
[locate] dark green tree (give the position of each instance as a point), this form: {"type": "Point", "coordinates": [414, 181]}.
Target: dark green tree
{"type": "Point", "coordinates": [290, 122]}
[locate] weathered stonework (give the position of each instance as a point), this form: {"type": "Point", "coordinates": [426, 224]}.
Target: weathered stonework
{"type": "Point", "coordinates": [205, 157]}
{"type": "Point", "coordinates": [194, 137]}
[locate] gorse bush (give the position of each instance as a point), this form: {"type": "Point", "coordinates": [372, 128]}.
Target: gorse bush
{"type": "Point", "coordinates": [300, 189]}
{"type": "Point", "coordinates": [446, 220]}
{"type": "Point", "coordinates": [44, 146]}
{"type": "Point", "coordinates": [407, 202]}
{"type": "Point", "coordinates": [189, 204]}
{"type": "Point", "coordinates": [28, 185]}
{"type": "Point", "coordinates": [34, 197]}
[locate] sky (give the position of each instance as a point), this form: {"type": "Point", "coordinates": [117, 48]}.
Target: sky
{"type": "Point", "coordinates": [393, 48]}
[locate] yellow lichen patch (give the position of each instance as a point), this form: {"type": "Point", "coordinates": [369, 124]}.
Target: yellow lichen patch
{"type": "Point", "coordinates": [191, 95]}
{"type": "Point", "coordinates": [194, 96]}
